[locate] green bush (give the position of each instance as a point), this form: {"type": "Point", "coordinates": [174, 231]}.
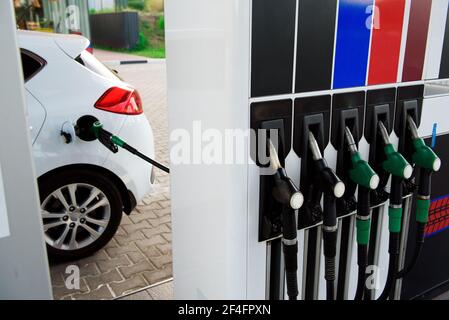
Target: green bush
{"type": "Point", "coordinates": [161, 23]}
{"type": "Point", "coordinates": [143, 42]}
{"type": "Point", "coordinates": [136, 4]}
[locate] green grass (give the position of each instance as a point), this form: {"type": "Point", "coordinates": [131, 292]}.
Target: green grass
{"type": "Point", "coordinates": [151, 42]}
{"type": "Point", "coordinates": [155, 53]}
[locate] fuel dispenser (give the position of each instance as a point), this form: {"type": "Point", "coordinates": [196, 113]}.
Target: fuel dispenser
{"type": "Point", "coordinates": [347, 127]}
{"type": "Point", "coordinates": [321, 187]}
{"type": "Point", "coordinates": [334, 197]}
{"type": "Point", "coordinates": [279, 196]}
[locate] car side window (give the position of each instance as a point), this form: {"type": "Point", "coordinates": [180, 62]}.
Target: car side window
{"type": "Point", "coordinates": [31, 64]}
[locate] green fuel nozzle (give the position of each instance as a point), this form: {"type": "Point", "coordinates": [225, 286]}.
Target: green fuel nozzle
{"type": "Point", "coordinates": [361, 173]}
{"type": "Point", "coordinates": [424, 157]}
{"type": "Point", "coordinates": [89, 128]}
{"type": "Point", "coordinates": [367, 179]}
{"type": "Point", "coordinates": [96, 128]}
{"type": "Point", "coordinates": [395, 164]}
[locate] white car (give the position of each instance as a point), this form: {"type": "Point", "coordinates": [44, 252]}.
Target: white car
{"type": "Point", "coordinates": [84, 188]}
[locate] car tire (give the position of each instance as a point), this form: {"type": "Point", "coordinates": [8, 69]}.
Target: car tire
{"type": "Point", "coordinates": [76, 230]}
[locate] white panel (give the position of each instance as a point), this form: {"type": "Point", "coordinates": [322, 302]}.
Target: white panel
{"type": "Point", "coordinates": [321, 280]}
{"type": "Point", "coordinates": [207, 70]}
{"type": "Point", "coordinates": [382, 263]}
{"type": "Point", "coordinates": [257, 252]}
{"type": "Point", "coordinates": [301, 249]}
{"type": "Point", "coordinates": [353, 269]}
{"type": "Point", "coordinates": [435, 39]}
{"type": "Point", "coordinates": [4, 224]}
{"type": "Point", "coordinates": [433, 108]}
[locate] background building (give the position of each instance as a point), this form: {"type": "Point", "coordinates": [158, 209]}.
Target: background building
{"type": "Point", "coordinates": [59, 16]}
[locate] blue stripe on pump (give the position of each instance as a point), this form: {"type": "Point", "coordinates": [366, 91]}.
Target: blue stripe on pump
{"type": "Point", "coordinates": [353, 37]}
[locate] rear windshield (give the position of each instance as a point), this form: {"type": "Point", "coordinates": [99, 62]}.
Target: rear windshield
{"type": "Point", "coordinates": [92, 63]}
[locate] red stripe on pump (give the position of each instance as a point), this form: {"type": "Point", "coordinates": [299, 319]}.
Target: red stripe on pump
{"type": "Point", "coordinates": [416, 40]}
{"type": "Point", "coordinates": [386, 41]}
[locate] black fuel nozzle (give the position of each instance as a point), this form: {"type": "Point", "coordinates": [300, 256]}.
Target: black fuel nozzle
{"type": "Point", "coordinates": [332, 187]}
{"type": "Point", "coordinates": [328, 181]}
{"type": "Point", "coordinates": [287, 193]}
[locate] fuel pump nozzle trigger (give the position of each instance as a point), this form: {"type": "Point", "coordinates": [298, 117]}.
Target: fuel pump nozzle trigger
{"type": "Point", "coordinates": [361, 173]}
{"type": "Point", "coordinates": [332, 188]}
{"type": "Point", "coordinates": [286, 193]}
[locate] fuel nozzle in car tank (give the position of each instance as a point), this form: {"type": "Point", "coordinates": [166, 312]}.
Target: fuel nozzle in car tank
{"type": "Point", "coordinates": [332, 188]}
{"type": "Point", "coordinates": [89, 128]}
{"type": "Point", "coordinates": [286, 193]}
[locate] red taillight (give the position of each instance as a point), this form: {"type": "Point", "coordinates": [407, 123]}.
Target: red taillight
{"type": "Point", "coordinates": [119, 100]}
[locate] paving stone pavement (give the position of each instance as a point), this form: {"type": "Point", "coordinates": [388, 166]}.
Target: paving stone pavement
{"type": "Point", "coordinates": [140, 253]}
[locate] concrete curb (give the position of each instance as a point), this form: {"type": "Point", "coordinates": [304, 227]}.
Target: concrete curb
{"type": "Point", "coordinates": [115, 63]}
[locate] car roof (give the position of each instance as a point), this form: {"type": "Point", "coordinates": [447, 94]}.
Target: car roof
{"type": "Point", "coordinates": [42, 42]}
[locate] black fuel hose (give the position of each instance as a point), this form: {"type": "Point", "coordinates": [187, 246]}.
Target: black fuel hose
{"type": "Point", "coordinates": [285, 192]}
{"type": "Point", "coordinates": [422, 216]}
{"type": "Point", "coordinates": [332, 188]}
{"type": "Point", "coordinates": [363, 222]}
{"type": "Point", "coordinates": [395, 217]}
{"type": "Point", "coordinates": [329, 243]}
